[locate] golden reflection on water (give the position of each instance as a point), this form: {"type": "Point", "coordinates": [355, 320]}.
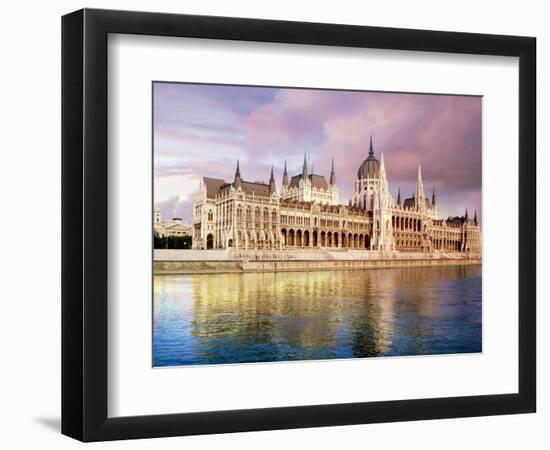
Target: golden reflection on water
{"type": "Point", "coordinates": [219, 318]}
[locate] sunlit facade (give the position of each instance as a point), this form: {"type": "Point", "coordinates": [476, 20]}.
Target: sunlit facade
{"type": "Point", "coordinates": [306, 214]}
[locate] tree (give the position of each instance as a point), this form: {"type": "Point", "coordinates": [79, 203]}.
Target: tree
{"type": "Point", "coordinates": [173, 242]}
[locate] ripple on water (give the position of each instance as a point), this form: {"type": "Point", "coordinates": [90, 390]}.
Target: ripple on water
{"type": "Point", "coordinates": [237, 318]}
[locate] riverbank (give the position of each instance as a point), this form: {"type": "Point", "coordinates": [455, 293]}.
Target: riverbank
{"type": "Point", "coordinates": [231, 261]}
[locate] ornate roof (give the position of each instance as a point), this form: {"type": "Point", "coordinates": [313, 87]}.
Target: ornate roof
{"type": "Point", "coordinates": [409, 202]}
{"type": "Point", "coordinates": [248, 187]}
{"type": "Point", "coordinates": [317, 181]}
{"type": "Point", "coordinates": [370, 167]}
{"type": "Point", "coordinates": [213, 186]}
{"type": "Point", "coordinates": [256, 188]}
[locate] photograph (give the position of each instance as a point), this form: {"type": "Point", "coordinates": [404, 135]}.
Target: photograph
{"type": "Point", "coordinates": [296, 224]}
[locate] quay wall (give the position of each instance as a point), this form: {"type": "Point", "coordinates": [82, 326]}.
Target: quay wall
{"type": "Point", "coordinates": [223, 261]}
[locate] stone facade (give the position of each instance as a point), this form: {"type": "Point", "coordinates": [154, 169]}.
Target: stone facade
{"type": "Point", "coordinates": [307, 214]}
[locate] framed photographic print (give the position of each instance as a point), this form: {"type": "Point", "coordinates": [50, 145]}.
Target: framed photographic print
{"type": "Point", "coordinates": [273, 224]}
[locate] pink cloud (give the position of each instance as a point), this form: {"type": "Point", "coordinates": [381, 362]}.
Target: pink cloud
{"type": "Point", "coordinates": [441, 132]}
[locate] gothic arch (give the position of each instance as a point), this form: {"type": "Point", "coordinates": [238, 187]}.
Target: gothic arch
{"type": "Point", "coordinates": [284, 234]}
{"type": "Point", "coordinates": [299, 238]}
{"type": "Point", "coordinates": [210, 241]}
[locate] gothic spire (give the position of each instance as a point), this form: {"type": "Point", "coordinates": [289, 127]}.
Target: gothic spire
{"type": "Point", "coordinates": [285, 176]}
{"type": "Point", "coordinates": [433, 197]}
{"type": "Point", "coordinates": [466, 214]}
{"type": "Point", "coordinates": [420, 188]}
{"type": "Point", "coordinates": [304, 168]}
{"type": "Point", "coordinates": [371, 151]}
{"type": "Point", "coordinates": [237, 180]}
{"type": "Point", "coordinates": [272, 182]}
{"type": "Point", "coordinates": [398, 196]}
{"type": "Point", "coordinates": [332, 174]}
{"type": "Point", "coordinates": [475, 216]}
{"type": "Point", "coordinates": [382, 167]}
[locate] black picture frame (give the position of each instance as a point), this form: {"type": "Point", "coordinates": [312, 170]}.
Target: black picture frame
{"type": "Point", "coordinates": [84, 224]}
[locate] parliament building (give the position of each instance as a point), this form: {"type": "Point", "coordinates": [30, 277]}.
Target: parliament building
{"type": "Point", "coordinates": [306, 214]}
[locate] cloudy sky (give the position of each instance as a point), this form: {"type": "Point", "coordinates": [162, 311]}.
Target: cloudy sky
{"type": "Point", "coordinates": [203, 130]}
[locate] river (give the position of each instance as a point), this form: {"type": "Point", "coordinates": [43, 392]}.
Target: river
{"type": "Point", "coordinates": [288, 316]}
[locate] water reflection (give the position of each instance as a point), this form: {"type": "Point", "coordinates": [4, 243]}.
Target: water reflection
{"type": "Point", "coordinates": [232, 318]}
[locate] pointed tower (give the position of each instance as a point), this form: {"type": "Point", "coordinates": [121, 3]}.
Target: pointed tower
{"type": "Point", "coordinates": [285, 177]}
{"type": "Point", "coordinates": [466, 214]}
{"type": "Point", "coordinates": [367, 181]}
{"type": "Point", "coordinates": [304, 169]}
{"type": "Point", "coordinates": [420, 197]}
{"type": "Point", "coordinates": [237, 180]}
{"type": "Point", "coordinates": [383, 189]}
{"type": "Point", "coordinates": [433, 197]}
{"type": "Point", "coordinates": [371, 151]}
{"type": "Point", "coordinates": [383, 235]}
{"type": "Point", "coordinates": [398, 196]}
{"type": "Point", "coordinates": [272, 187]}
{"type": "Point", "coordinates": [332, 174]}
{"type": "Point", "coordinates": [382, 167]}
{"type": "Point", "coordinates": [475, 216]}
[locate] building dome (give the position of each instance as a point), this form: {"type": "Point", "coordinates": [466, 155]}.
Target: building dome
{"type": "Point", "coordinates": [370, 167]}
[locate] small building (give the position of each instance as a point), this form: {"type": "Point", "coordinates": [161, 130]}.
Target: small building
{"type": "Point", "coordinates": [175, 227]}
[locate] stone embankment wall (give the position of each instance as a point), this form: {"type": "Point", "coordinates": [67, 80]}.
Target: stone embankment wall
{"type": "Point", "coordinates": [224, 261]}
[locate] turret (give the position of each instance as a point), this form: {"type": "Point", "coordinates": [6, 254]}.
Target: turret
{"type": "Point", "coordinates": [466, 215]}
{"type": "Point", "coordinates": [420, 197]}
{"type": "Point", "coordinates": [304, 169]}
{"type": "Point", "coordinates": [272, 187]}
{"type": "Point", "coordinates": [475, 216]}
{"type": "Point", "coordinates": [382, 172]}
{"type": "Point", "coordinates": [237, 180]}
{"type": "Point", "coordinates": [332, 174]}
{"type": "Point", "coordinates": [433, 197]}
{"type": "Point", "coordinates": [285, 177]}
{"type": "Point", "coordinates": [398, 196]}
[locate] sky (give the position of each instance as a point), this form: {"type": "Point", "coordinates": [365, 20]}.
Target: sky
{"type": "Point", "coordinates": [201, 130]}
